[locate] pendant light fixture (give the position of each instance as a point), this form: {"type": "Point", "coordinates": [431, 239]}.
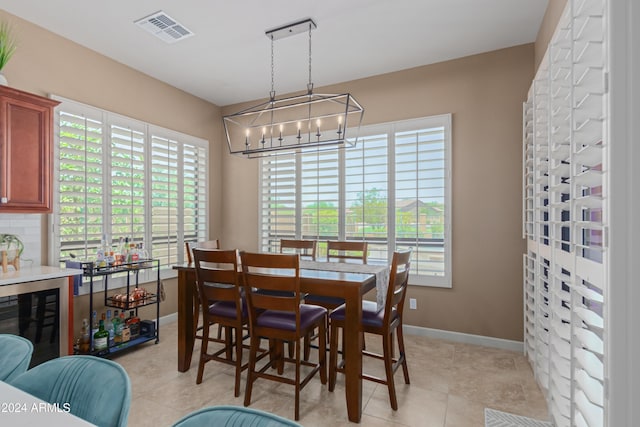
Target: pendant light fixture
{"type": "Point", "coordinates": [294, 123]}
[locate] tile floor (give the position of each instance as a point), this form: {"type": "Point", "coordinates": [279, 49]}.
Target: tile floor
{"type": "Point", "coordinates": [451, 384]}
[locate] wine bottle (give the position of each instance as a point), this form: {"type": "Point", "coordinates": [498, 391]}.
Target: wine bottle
{"type": "Point", "coordinates": [101, 339]}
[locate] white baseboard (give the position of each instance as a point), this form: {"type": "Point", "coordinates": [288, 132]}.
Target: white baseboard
{"type": "Point", "coordinates": [428, 332]}
{"type": "Point", "coordinates": [169, 318]}
{"type": "Point", "coordinates": [465, 338]}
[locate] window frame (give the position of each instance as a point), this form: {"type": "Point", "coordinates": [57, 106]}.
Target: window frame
{"type": "Point", "coordinates": [391, 129]}
{"type": "Point", "coordinates": [150, 133]}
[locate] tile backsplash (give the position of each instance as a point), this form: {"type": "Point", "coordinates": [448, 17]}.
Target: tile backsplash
{"type": "Point", "coordinates": [29, 228]}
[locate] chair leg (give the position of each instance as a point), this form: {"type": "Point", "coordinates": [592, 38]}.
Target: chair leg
{"type": "Point", "coordinates": [228, 342]}
{"type": "Point", "coordinates": [196, 314]}
{"type": "Point", "coordinates": [291, 349]}
{"type": "Point", "coordinates": [280, 354]}
{"type": "Point", "coordinates": [238, 360]}
{"type": "Point", "coordinates": [203, 352]}
{"type": "Point", "coordinates": [405, 368]}
{"type": "Point", "coordinates": [307, 345]}
{"type": "Point", "coordinates": [253, 351]}
{"type": "Point", "coordinates": [322, 350]}
{"type": "Point", "coordinates": [387, 344]}
{"type": "Point", "coordinates": [297, 385]}
{"type": "Point", "coordinates": [333, 356]}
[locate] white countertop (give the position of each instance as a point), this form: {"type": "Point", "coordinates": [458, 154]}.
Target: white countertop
{"type": "Point", "coordinates": [22, 409]}
{"type": "Point", "coordinates": [33, 274]}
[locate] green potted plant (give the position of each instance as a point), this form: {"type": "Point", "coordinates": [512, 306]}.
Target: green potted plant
{"type": "Point", "coordinates": [7, 48]}
{"type": "Point", "coordinates": [12, 244]}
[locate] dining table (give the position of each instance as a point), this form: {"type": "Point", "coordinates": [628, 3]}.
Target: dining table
{"type": "Point", "coordinates": [318, 278]}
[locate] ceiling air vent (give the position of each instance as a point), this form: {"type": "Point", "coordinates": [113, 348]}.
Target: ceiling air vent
{"type": "Point", "coordinates": [164, 27]}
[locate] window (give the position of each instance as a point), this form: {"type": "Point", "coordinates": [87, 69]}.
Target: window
{"type": "Point", "coordinates": [392, 189]}
{"type": "Point", "coordinates": [125, 178]}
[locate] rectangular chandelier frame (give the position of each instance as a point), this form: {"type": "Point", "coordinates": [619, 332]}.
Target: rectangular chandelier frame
{"type": "Point", "coordinates": [279, 126]}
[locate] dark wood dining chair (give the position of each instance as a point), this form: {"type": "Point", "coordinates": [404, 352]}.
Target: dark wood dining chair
{"type": "Point", "coordinates": [306, 248]}
{"type": "Point", "coordinates": [219, 286]}
{"type": "Point", "coordinates": [272, 290]}
{"type": "Point", "coordinates": [385, 323]}
{"type": "Point", "coordinates": [337, 251]}
{"type": "Point", "coordinates": [189, 247]}
{"type": "Point", "coordinates": [344, 251]}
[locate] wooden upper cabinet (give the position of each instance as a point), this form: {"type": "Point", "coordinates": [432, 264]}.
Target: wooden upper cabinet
{"type": "Point", "coordinates": [26, 152]}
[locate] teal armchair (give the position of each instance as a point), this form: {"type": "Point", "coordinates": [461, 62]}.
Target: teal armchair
{"type": "Point", "coordinates": [96, 390]}
{"type": "Point", "coordinates": [15, 356]}
{"type": "Point", "coordinates": [233, 416]}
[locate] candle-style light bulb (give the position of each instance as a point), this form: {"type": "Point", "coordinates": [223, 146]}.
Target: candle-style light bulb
{"type": "Point", "coordinates": [299, 126]}
{"type": "Point", "coordinates": [318, 134]}
{"type": "Point", "coordinates": [339, 125]}
{"type": "Point", "coordinates": [246, 138]}
{"type": "Point", "coordinates": [280, 137]}
{"type": "Point", "coordinates": [264, 130]}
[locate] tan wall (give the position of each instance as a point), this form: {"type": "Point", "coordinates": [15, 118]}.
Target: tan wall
{"type": "Point", "coordinates": [485, 94]}
{"type": "Point", "coordinates": [548, 26]}
{"type": "Point", "coordinates": [45, 63]}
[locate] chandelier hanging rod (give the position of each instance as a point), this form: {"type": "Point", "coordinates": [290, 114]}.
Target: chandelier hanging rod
{"type": "Point", "coordinates": [291, 29]}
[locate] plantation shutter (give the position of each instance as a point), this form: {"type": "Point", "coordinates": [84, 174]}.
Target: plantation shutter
{"type": "Point", "coordinates": [278, 201]}
{"type": "Point", "coordinates": [570, 201]}
{"type": "Point", "coordinates": [194, 184]}
{"type": "Point", "coordinates": [81, 177]}
{"type": "Point", "coordinates": [127, 181]}
{"type": "Point", "coordinates": [421, 200]}
{"type": "Point", "coordinates": [366, 194]}
{"type": "Point", "coordinates": [392, 189]}
{"type": "Point", "coordinates": [122, 178]}
{"type": "Point", "coordinates": [589, 214]}
{"type": "Point", "coordinates": [164, 200]}
{"type": "Point", "coordinates": [320, 196]}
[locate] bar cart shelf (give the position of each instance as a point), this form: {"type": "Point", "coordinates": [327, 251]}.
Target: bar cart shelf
{"type": "Point", "coordinates": [132, 297]}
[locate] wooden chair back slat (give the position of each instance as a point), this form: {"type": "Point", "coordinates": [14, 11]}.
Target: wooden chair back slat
{"type": "Point", "coordinates": [217, 274]}
{"type": "Point", "coordinates": [306, 248]}
{"type": "Point", "coordinates": [398, 281]}
{"type": "Point", "coordinates": [206, 244]}
{"type": "Point", "coordinates": [347, 250]}
{"type": "Point", "coordinates": [277, 289]}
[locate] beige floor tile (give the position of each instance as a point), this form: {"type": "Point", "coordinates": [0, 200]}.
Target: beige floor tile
{"type": "Point", "coordinates": [451, 384]}
{"type": "Point", "coordinates": [463, 413]}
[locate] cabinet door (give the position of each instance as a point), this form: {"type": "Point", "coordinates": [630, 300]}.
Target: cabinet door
{"type": "Point", "coordinates": [25, 155]}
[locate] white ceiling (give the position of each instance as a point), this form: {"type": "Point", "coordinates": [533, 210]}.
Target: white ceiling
{"type": "Point", "coordinates": [228, 59]}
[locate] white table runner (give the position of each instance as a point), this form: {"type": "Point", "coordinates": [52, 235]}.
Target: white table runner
{"type": "Point", "coordinates": [381, 272]}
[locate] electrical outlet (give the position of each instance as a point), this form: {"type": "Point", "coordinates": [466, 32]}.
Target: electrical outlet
{"type": "Point", "coordinates": [413, 304]}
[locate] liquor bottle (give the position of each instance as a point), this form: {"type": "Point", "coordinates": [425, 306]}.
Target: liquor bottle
{"type": "Point", "coordinates": [85, 340]}
{"type": "Point", "coordinates": [125, 332]}
{"type": "Point", "coordinates": [133, 253]}
{"type": "Point", "coordinates": [108, 326]}
{"type": "Point", "coordinates": [117, 330]}
{"type": "Point", "coordinates": [134, 325]}
{"type": "Point", "coordinates": [94, 322]}
{"type": "Point", "coordinates": [143, 254]}
{"type": "Point", "coordinates": [101, 339]}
